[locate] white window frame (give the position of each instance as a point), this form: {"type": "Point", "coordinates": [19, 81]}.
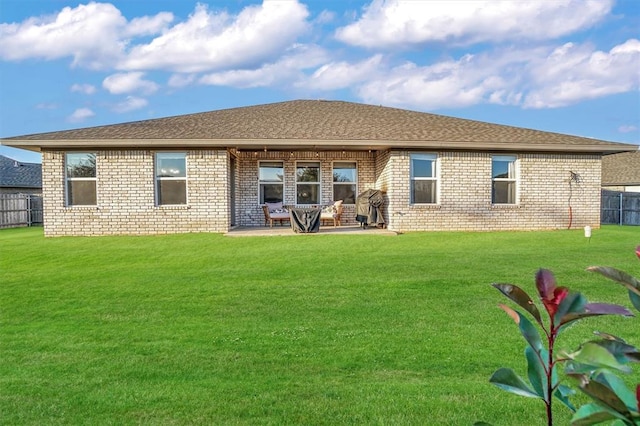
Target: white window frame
{"type": "Point", "coordinates": [317, 183]}
{"type": "Point", "coordinates": [513, 177]}
{"type": "Point", "coordinates": [158, 179]}
{"type": "Point", "coordinates": [261, 182]}
{"type": "Point", "coordinates": [354, 183]}
{"type": "Point", "coordinates": [70, 179]}
{"type": "Point", "coordinates": [425, 156]}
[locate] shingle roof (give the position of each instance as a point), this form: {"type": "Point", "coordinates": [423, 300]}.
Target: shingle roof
{"type": "Point", "coordinates": [315, 124]}
{"type": "Point", "coordinates": [621, 169]}
{"type": "Point", "coordinates": [14, 174]}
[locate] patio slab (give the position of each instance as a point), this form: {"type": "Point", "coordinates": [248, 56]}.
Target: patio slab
{"type": "Point", "coordinates": [265, 231]}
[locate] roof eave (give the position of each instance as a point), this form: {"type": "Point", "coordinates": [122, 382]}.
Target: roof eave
{"type": "Point", "coordinates": [314, 145]}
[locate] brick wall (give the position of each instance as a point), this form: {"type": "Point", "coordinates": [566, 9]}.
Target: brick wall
{"type": "Point", "coordinates": [465, 193]}
{"type": "Point", "coordinates": [126, 199]}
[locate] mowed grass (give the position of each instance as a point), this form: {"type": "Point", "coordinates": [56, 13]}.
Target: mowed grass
{"type": "Point", "coordinates": [310, 330]}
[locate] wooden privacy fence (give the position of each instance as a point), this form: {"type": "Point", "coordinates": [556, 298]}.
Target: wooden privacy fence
{"type": "Point", "coordinates": [20, 210]}
{"type": "Point", "coordinates": [620, 208]}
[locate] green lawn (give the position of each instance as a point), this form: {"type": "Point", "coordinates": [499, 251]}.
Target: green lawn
{"type": "Point", "coordinates": [323, 329]}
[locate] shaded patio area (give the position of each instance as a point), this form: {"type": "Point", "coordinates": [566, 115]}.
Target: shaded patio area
{"type": "Point", "coordinates": [265, 231]}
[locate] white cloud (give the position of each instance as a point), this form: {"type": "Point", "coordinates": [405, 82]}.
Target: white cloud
{"type": "Point", "coordinates": [627, 129]}
{"type": "Point", "coordinates": [98, 36]}
{"type": "Point", "coordinates": [410, 85]}
{"type": "Point", "coordinates": [87, 32]}
{"type": "Point", "coordinates": [210, 41]}
{"type": "Point", "coordinates": [149, 25]}
{"type": "Point", "coordinates": [131, 103]}
{"type": "Point", "coordinates": [86, 89]}
{"type": "Point", "coordinates": [45, 105]}
{"type": "Point", "coordinates": [325, 17]}
{"type": "Point", "coordinates": [285, 70]}
{"type": "Point", "coordinates": [470, 80]}
{"type": "Point", "coordinates": [129, 82]}
{"type": "Point", "coordinates": [531, 78]}
{"type": "Point", "coordinates": [80, 114]}
{"type": "Point", "coordinates": [339, 75]}
{"type": "Point", "coordinates": [262, 77]}
{"type": "Point", "coordinates": [572, 73]}
{"type": "Point", "coordinates": [92, 34]}
{"type": "Point", "coordinates": [181, 80]}
{"type": "Point", "coordinates": [394, 23]}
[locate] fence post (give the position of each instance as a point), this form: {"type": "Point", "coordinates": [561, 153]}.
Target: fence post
{"type": "Point", "coordinates": [29, 210]}
{"type": "Point", "coordinates": [620, 221]}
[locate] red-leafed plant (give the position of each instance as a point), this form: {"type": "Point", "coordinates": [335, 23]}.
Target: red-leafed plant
{"type": "Point", "coordinates": [594, 364]}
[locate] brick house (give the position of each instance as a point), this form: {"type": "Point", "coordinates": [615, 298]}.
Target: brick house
{"type": "Point", "coordinates": [212, 171]}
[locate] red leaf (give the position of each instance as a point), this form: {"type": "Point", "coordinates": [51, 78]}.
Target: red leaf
{"type": "Point", "coordinates": [546, 284]}
{"type": "Point", "coordinates": [559, 294]}
{"type": "Point", "coordinates": [638, 252]}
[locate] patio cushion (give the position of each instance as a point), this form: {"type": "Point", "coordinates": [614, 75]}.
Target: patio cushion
{"type": "Point", "coordinates": [332, 212]}
{"type": "Point", "coordinates": [276, 207]}
{"type": "Point", "coordinates": [279, 215]}
{"type": "Point", "coordinates": [329, 209]}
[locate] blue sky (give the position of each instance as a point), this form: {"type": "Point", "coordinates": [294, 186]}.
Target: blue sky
{"type": "Point", "coordinates": [567, 66]}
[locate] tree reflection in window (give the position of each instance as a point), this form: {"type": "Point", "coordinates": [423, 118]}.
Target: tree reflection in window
{"type": "Point", "coordinates": [345, 181]}
{"type": "Point", "coordinates": [81, 183]}
{"type": "Point", "coordinates": [271, 181]}
{"type": "Point", "coordinates": [308, 183]}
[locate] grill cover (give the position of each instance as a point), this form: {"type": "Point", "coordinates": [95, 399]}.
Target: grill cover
{"type": "Point", "coordinates": [369, 208]}
{"type": "Point", "coordinates": [305, 220]}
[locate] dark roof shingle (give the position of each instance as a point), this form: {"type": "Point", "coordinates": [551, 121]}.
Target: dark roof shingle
{"type": "Point", "coordinates": [621, 169]}
{"type": "Point", "coordinates": [15, 174]}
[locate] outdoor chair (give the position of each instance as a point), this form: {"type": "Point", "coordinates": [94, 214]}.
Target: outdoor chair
{"type": "Point", "coordinates": [333, 213]}
{"type": "Point", "coordinates": [275, 212]}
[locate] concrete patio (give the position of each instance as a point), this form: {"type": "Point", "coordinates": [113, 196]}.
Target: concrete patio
{"type": "Point", "coordinates": [265, 231]}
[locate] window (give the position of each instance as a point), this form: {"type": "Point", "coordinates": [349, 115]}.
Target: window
{"type": "Point", "coordinates": [424, 181]}
{"type": "Point", "coordinates": [503, 173]}
{"type": "Point", "coordinates": [308, 183]}
{"type": "Point", "coordinates": [345, 178]}
{"type": "Point", "coordinates": [81, 179]}
{"type": "Point", "coordinates": [171, 178]}
{"type": "Point", "coordinates": [271, 177]}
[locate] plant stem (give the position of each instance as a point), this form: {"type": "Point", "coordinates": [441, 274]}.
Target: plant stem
{"type": "Point", "coordinates": [549, 401]}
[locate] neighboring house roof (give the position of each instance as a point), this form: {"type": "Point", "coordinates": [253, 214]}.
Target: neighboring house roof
{"type": "Point", "coordinates": [621, 169]}
{"type": "Point", "coordinates": [15, 174]}
{"type": "Point", "coordinates": [314, 125]}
